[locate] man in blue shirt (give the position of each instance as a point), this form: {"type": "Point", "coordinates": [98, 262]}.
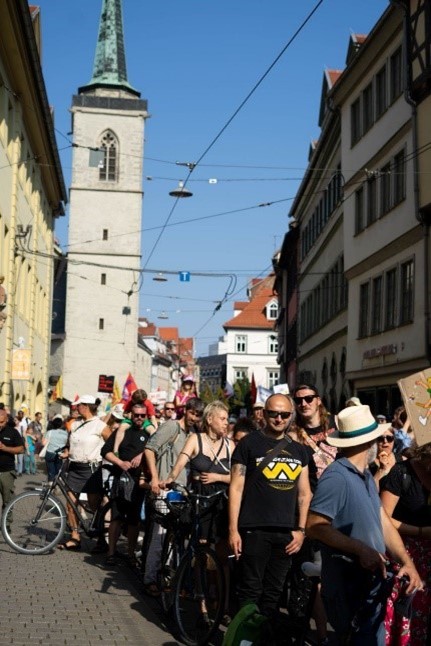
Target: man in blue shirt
{"type": "Point", "coordinates": [347, 518]}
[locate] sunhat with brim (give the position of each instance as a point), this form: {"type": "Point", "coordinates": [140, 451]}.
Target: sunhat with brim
{"type": "Point", "coordinates": [356, 425]}
{"type": "Point", "coordinates": [85, 399]}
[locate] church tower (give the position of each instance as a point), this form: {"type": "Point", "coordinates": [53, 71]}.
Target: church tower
{"type": "Point", "coordinates": [102, 301]}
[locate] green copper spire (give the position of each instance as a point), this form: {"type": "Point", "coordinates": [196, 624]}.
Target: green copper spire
{"type": "Point", "coordinates": [109, 69]}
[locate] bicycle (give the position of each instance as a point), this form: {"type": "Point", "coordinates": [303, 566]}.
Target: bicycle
{"type": "Point", "coordinates": [192, 581]}
{"type": "Point", "coordinates": [34, 522]}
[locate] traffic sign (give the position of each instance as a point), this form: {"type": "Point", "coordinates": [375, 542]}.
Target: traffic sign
{"type": "Point", "coordinates": [184, 276]}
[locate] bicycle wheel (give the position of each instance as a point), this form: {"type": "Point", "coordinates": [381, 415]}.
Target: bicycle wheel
{"type": "Point", "coordinates": [101, 520]}
{"type": "Point", "coordinates": [169, 562]}
{"type": "Point", "coordinates": [199, 596]}
{"type": "Point", "coordinates": [33, 524]}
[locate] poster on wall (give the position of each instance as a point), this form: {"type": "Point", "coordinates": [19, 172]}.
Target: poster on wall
{"type": "Point", "coordinates": [21, 364]}
{"type": "Point", "coordinates": [416, 393]}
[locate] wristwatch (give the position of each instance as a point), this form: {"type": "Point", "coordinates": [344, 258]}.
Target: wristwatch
{"type": "Point", "coordinates": [301, 529]}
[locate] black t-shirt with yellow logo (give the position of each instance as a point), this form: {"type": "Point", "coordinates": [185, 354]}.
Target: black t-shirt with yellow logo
{"type": "Point", "coordinates": [269, 500]}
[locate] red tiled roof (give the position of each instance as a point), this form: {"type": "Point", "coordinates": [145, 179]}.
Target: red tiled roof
{"type": "Point", "coordinates": [360, 38]}
{"type": "Point", "coordinates": [333, 76]}
{"type": "Point", "coordinates": [253, 315]}
{"type": "Point", "coordinates": [169, 333]}
{"type": "Point", "coordinates": [34, 10]}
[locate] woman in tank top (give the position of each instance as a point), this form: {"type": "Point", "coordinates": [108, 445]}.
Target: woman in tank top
{"type": "Point", "coordinates": [209, 454]}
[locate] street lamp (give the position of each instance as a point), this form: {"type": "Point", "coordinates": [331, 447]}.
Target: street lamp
{"type": "Point", "coordinates": [180, 191]}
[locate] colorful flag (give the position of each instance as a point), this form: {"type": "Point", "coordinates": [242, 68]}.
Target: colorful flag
{"type": "Point", "coordinates": [228, 390]}
{"type": "Point", "coordinates": [253, 389]}
{"type": "Point", "coordinates": [57, 391]}
{"type": "Point", "coordinates": [128, 388]}
{"type": "Point", "coordinates": [116, 393]}
{"type": "Point", "coordinates": [263, 394]}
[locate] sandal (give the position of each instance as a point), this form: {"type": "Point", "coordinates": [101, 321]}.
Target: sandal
{"type": "Point", "coordinates": [151, 590]}
{"type": "Point", "coordinates": [71, 545]}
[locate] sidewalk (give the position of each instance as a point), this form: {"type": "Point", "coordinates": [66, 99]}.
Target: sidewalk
{"type": "Point", "coordinates": [73, 599]}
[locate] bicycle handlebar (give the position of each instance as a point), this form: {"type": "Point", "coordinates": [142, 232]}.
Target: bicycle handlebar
{"type": "Point", "coordinates": [176, 486]}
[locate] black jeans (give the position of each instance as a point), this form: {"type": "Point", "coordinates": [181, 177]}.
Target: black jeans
{"type": "Point", "coordinates": [264, 565]}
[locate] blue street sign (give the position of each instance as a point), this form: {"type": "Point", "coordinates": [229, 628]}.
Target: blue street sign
{"type": "Point", "coordinates": [184, 276]}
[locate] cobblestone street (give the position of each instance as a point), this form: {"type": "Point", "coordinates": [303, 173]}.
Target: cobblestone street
{"type": "Point", "coordinates": [72, 598]}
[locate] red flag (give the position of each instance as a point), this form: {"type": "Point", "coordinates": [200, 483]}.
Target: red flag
{"type": "Point", "coordinates": [253, 389]}
{"type": "Point", "coordinates": [128, 388]}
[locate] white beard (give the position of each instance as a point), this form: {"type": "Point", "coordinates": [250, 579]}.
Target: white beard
{"type": "Point", "coordinates": [372, 453]}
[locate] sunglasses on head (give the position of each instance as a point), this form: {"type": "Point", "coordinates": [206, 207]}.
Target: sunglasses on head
{"type": "Point", "coordinates": [386, 438]}
{"type": "Point", "coordinates": [306, 398]}
{"type": "Point", "coordinates": [273, 414]}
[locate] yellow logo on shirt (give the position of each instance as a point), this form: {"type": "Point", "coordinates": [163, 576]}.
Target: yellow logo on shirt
{"type": "Point", "coordinates": [282, 472]}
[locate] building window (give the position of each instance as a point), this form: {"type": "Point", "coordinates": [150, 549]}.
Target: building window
{"type": "Point", "coordinates": [364, 304]}
{"type": "Point", "coordinates": [359, 211]}
{"type": "Point", "coordinates": [103, 279]}
{"type": "Point", "coordinates": [391, 299]}
{"type": "Point", "coordinates": [273, 344]}
{"type": "Point", "coordinates": [367, 108]}
{"type": "Point", "coordinates": [396, 74]}
{"type": "Point", "coordinates": [355, 116]}
{"type": "Point", "coordinates": [399, 181]}
{"type": "Point", "coordinates": [108, 171]}
{"type": "Point", "coordinates": [385, 189]}
{"type": "Point", "coordinates": [273, 311]}
{"type": "Point", "coordinates": [105, 234]}
{"type": "Point", "coordinates": [241, 343]}
{"type": "Point", "coordinates": [273, 378]}
{"type": "Point", "coordinates": [407, 292]}
{"type": "Point", "coordinates": [377, 296]}
{"type": "Point", "coordinates": [101, 324]}
{"type": "Point", "coordinates": [240, 374]}
{"type": "Point", "coordinates": [381, 92]}
{"type": "Point", "coordinates": [371, 200]}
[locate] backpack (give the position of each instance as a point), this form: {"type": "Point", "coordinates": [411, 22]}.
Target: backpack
{"type": "Point", "coordinates": [247, 628]}
{"type": "Point", "coordinates": [122, 487]}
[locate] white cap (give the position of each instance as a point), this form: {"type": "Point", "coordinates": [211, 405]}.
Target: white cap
{"type": "Point", "coordinates": [85, 399]}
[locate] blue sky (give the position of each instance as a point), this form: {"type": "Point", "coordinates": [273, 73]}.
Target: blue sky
{"type": "Point", "coordinates": [195, 62]}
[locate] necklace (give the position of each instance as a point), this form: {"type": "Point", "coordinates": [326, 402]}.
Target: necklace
{"type": "Point", "coordinates": [213, 440]}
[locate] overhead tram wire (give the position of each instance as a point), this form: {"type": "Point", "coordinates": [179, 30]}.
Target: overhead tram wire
{"type": "Point", "coordinates": [229, 121]}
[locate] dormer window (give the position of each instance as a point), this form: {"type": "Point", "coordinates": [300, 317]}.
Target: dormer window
{"type": "Point", "coordinates": [272, 311]}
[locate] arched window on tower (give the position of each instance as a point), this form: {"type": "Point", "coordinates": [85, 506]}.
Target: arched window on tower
{"type": "Point", "coordinates": [108, 172]}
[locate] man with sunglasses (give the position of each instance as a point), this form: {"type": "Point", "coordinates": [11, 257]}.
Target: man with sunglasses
{"type": "Point", "coordinates": [128, 458]}
{"type": "Point", "coordinates": [263, 505]}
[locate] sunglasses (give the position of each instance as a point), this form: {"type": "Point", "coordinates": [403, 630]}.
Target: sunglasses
{"type": "Point", "coordinates": [169, 408]}
{"type": "Point", "coordinates": [306, 398]}
{"type": "Point", "coordinates": [386, 438]}
{"type": "Point", "coordinates": [139, 414]}
{"type": "Point", "coordinates": [273, 414]}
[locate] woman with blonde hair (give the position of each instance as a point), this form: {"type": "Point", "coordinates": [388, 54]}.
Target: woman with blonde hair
{"type": "Point", "coordinates": [209, 454]}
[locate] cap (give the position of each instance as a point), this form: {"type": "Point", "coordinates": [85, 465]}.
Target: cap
{"type": "Point", "coordinates": [118, 411]}
{"type": "Point", "coordinates": [258, 405]}
{"type": "Point", "coordinates": [85, 399]}
{"type": "Point", "coordinates": [353, 401]}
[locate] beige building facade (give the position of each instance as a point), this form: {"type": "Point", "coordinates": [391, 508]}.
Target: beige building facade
{"type": "Point", "coordinates": [31, 195]}
{"type": "Point", "coordinates": [384, 242]}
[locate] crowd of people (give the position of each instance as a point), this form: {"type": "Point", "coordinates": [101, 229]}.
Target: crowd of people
{"type": "Point", "coordinates": [350, 493]}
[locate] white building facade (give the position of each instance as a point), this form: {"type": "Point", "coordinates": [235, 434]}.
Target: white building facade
{"type": "Point", "coordinates": [104, 258]}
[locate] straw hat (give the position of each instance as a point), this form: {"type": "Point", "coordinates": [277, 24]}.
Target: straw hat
{"type": "Point", "coordinates": [356, 425]}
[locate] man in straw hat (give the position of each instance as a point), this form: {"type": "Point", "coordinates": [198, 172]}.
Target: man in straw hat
{"type": "Point", "coordinates": [347, 518]}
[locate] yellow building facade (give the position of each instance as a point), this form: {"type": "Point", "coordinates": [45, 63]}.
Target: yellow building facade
{"type": "Point", "coordinates": [32, 193]}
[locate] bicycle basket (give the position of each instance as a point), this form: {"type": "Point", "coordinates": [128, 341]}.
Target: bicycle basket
{"type": "Point", "coordinates": [167, 510]}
